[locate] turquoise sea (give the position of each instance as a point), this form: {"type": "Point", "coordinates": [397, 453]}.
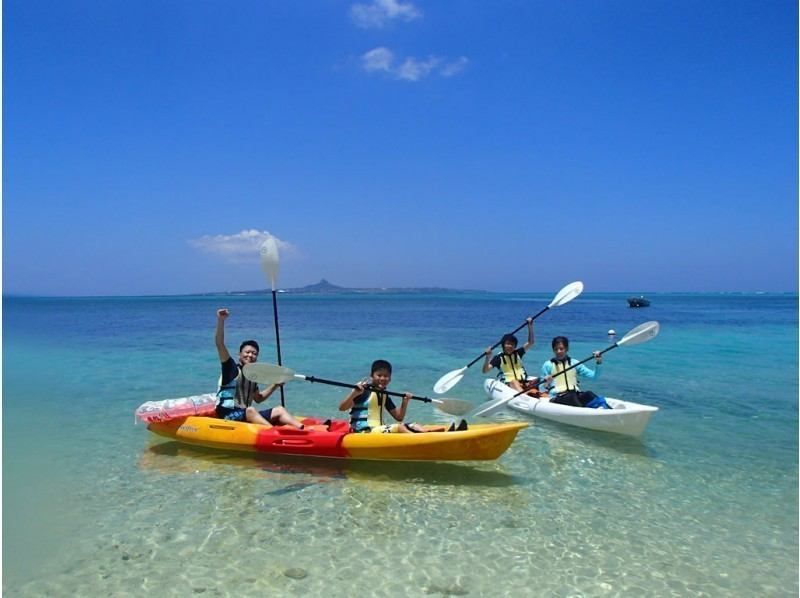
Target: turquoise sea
{"type": "Point", "coordinates": [704, 504]}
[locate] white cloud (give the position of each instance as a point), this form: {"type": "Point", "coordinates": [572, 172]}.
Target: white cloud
{"type": "Point", "coordinates": [455, 67]}
{"type": "Point", "coordinates": [380, 12]}
{"type": "Point", "coordinates": [243, 246]}
{"type": "Point", "coordinates": [414, 70]}
{"type": "Point", "coordinates": [377, 59]}
{"type": "Point", "coordinates": [411, 69]}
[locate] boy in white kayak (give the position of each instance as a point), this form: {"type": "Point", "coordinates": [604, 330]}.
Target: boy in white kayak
{"type": "Point", "coordinates": [563, 383]}
{"type": "Point", "coordinates": [509, 362]}
{"type": "Point", "coordinates": [236, 393]}
{"type": "Point", "coordinates": [366, 403]}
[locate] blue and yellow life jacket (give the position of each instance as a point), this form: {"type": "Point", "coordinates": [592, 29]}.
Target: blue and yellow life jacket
{"type": "Point", "coordinates": [367, 410]}
{"type": "Point", "coordinates": [238, 392]}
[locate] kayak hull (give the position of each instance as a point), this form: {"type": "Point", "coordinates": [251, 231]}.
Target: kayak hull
{"type": "Point", "coordinates": [480, 442]}
{"type": "Point", "coordinates": [624, 417]}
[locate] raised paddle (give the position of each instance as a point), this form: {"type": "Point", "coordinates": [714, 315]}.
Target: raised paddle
{"type": "Point", "coordinates": [267, 373]}
{"type": "Point", "coordinates": [270, 265]}
{"type": "Point", "coordinates": [450, 379]}
{"type": "Point", "coordinates": [641, 334]}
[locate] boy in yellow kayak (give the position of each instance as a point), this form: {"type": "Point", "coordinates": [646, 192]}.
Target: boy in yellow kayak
{"type": "Point", "coordinates": [366, 404]}
{"type": "Point", "coordinates": [236, 393]}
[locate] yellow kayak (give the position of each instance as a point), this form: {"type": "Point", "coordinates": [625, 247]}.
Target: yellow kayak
{"type": "Point", "coordinates": [480, 442]}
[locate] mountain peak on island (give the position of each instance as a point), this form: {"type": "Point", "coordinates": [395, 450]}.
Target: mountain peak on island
{"type": "Point", "coordinates": [323, 286]}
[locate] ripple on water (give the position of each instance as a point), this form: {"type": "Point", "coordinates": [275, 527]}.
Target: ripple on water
{"type": "Point", "coordinates": [185, 524]}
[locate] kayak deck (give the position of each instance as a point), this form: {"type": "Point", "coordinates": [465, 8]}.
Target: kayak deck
{"type": "Point", "coordinates": [480, 442]}
{"type": "Point", "coordinates": [624, 417]}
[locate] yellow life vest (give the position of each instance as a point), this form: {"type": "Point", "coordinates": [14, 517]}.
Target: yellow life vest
{"type": "Point", "coordinates": [564, 381]}
{"type": "Point", "coordinates": [511, 367]}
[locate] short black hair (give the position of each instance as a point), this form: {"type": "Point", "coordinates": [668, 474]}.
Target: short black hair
{"type": "Point", "coordinates": [380, 364]}
{"type": "Point", "coordinates": [560, 339]}
{"type": "Point", "coordinates": [252, 343]}
{"type": "Point", "coordinates": [509, 337]}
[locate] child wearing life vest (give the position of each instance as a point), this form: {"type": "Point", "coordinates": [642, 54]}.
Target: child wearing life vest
{"type": "Point", "coordinates": [509, 362]}
{"type": "Point", "coordinates": [367, 401]}
{"type": "Point", "coordinates": [563, 383]}
{"type": "Point", "coordinates": [236, 393]}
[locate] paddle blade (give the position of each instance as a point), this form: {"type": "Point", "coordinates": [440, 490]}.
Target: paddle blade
{"type": "Point", "coordinates": [453, 406]}
{"type": "Point", "coordinates": [567, 294]}
{"type": "Point", "coordinates": [270, 260]}
{"type": "Point", "coordinates": [490, 407]}
{"type": "Point", "coordinates": [641, 334]}
{"type": "Point", "coordinates": [267, 373]}
{"type": "Point", "coordinates": [448, 381]}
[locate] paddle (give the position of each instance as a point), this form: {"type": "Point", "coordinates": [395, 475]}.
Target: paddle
{"type": "Point", "coordinates": [266, 373]}
{"type": "Point", "coordinates": [450, 379]}
{"type": "Point", "coordinates": [641, 334]}
{"type": "Point", "coordinates": [269, 263]}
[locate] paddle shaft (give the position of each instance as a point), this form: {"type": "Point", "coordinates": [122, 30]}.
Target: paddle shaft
{"type": "Point", "coordinates": [517, 329]}
{"type": "Point", "coordinates": [574, 365]}
{"type": "Point", "coordinates": [277, 336]}
{"type": "Point", "coordinates": [345, 385]}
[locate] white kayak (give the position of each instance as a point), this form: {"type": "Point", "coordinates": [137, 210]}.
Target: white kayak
{"type": "Point", "coordinates": [624, 417]}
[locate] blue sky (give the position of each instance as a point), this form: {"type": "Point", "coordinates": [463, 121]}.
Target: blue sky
{"type": "Point", "coordinates": [508, 146]}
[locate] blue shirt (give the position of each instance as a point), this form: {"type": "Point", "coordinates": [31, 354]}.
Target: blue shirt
{"type": "Point", "coordinates": [580, 371]}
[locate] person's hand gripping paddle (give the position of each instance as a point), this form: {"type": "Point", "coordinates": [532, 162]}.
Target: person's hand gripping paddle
{"type": "Point", "coordinates": [450, 379]}
{"type": "Point", "coordinates": [641, 334]}
{"type": "Point", "coordinates": [267, 373]}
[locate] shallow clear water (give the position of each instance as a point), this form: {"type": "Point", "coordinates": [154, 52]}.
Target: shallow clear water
{"type": "Point", "coordinates": [704, 504]}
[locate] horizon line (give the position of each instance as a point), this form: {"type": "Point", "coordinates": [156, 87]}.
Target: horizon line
{"type": "Point", "coordinates": [381, 290]}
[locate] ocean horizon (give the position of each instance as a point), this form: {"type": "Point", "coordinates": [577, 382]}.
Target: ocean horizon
{"type": "Point", "coordinates": [389, 290]}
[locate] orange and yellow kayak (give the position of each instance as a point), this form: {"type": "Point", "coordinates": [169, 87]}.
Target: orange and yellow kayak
{"type": "Point", "coordinates": [480, 442]}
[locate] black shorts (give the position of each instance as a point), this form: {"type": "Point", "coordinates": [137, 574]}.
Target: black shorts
{"type": "Point", "coordinates": [574, 398]}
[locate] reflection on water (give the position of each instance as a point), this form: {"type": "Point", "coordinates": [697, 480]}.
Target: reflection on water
{"type": "Point", "coordinates": [174, 457]}
{"type": "Point", "coordinates": [593, 439]}
{"type": "Point", "coordinates": [558, 435]}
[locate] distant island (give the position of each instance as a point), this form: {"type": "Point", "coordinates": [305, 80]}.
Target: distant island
{"type": "Point", "coordinates": [323, 287]}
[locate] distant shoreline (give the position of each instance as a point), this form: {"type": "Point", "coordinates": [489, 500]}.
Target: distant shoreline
{"type": "Point", "coordinates": [409, 291]}
{"type": "Point", "coordinates": [354, 291]}
{"type": "Point", "coordinates": [323, 287]}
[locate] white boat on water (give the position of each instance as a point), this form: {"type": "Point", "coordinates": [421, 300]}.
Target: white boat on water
{"type": "Point", "coordinates": [624, 417]}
